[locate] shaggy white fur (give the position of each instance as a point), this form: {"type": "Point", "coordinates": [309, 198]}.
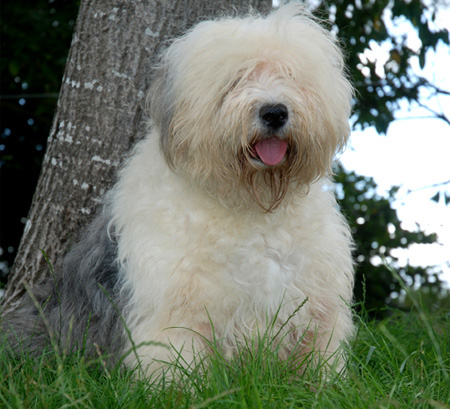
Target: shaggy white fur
{"type": "Point", "coordinates": [215, 226]}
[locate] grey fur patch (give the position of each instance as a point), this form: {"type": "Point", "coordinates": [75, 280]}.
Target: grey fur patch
{"type": "Point", "coordinates": [162, 107]}
{"type": "Point", "coordinates": [81, 305]}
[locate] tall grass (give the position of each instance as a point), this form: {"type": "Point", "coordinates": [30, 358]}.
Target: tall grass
{"type": "Point", "coordinates": [400, 362]}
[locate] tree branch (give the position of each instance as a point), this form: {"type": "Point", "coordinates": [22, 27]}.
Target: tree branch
{"type": "Point", "coordinates": [438, 115]}
{"type": "Point", "coordinates": [426, 83]}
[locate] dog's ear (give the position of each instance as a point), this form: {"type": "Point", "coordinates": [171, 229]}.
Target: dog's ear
{"type": "Point", "coordinates": [160, 102]}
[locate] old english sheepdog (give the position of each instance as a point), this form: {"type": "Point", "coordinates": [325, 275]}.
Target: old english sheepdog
{"type": "Point", "coordinates": [223, 221]}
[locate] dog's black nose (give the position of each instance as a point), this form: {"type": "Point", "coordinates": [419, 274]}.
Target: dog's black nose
{"type": "Point", "coordinates": [274, 116]}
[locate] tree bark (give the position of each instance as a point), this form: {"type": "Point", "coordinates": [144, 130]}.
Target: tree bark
{"type": "Point", "coordinates": [99, 117]}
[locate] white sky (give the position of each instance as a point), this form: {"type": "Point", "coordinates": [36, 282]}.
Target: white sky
{"type": "Point", "coordinates": [414, 154]}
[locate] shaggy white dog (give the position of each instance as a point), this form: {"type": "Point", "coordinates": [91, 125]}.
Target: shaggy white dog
{"type": "Point", "coordinates": [224, 219]}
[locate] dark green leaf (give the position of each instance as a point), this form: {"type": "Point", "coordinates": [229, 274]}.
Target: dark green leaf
{"type": "Point", "coordinates": [436, 197]}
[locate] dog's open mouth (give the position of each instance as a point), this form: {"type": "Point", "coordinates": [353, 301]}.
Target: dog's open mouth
{"type": "Point", "coordinates": [270, 151]}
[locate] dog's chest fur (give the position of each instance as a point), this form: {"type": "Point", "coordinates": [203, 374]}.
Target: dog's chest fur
{"type": "Point", "coordinates": [188, 258]}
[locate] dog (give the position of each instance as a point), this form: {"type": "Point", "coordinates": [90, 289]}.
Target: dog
{"type": "Point", "coordinates": [223, 223]}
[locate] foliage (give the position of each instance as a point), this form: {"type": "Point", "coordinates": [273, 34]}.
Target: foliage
{"type": "Point", "coordinates": [35, 39]}
{"type": "Point", "coordinates": [377, 232]}
{"type": "Point", "coordinates": [366, 25]}
{"type": "Point", "coordinates": [400, 362]}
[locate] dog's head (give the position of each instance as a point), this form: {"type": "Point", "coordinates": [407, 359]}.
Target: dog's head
{"type": "Point", "coordinates": [257, 106]}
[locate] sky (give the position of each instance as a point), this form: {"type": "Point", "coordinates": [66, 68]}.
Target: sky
{"type": "Point", "coordinates": [414, 154]}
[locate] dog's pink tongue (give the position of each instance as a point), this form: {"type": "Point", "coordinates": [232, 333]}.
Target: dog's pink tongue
{"type": "Point", "coordinates": [271, 151]}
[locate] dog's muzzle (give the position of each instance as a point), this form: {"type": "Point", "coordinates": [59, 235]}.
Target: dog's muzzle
{"type": "Point", "coordinates": [272, 149]}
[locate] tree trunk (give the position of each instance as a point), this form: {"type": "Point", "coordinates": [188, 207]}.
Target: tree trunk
{"type": "Point", "coordinates": [99, 117]}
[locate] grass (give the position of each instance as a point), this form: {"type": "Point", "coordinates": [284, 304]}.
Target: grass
{"type": "Point", "coordinates": [400, 362]}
